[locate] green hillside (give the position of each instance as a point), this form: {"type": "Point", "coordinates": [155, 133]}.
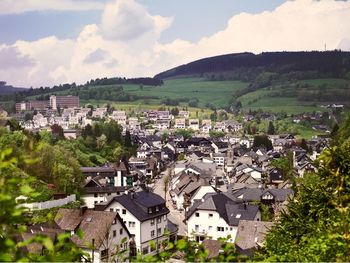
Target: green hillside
{"type": "Point", "coordinates": [291, 82]}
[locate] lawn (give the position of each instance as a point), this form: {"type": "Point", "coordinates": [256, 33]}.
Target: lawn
{"type": "Point", "coordinates": [217, 93]}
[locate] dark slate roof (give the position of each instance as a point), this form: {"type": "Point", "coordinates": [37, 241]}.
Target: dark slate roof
{"type": "Point", "coordinates": [276, 174]}
{"type": "Point", "coordinates": [153, 138]}
{"type": "Point", "coordinates": [138, 204]}
{"type": "Point", "coordinates": [254, 194]}
{"type": "Point", "coordinates": [223, 204]}
{"type": "Point", "coordinates": [237, 212]}
{"type": "Point", "coordinates": [148, 199]}
{"type": "Point", "coordinates": [105, 189]}
{"type": "Point", "coordinates": [251, 235]}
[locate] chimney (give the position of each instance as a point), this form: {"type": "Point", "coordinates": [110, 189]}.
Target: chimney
{"type": "Point", "coordinates": [82, 210]}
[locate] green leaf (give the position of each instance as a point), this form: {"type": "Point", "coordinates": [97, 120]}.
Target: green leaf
{"type": "Point", "coordinates": [181, 244]}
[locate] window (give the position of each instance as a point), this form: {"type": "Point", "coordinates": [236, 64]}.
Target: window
{"type": "Point", "coordinates": [111, 209]}
{"type": "Point", "coordinates": [157, 208]}
{"type": "Point", "coordinates": [145, 250]}
{"type": "Point", "coordinates": [159, 219]}
{"type": "Point", "coordinates": [220, 229]}
{"type": "Point", "coordinates": [131, 224]}
{"type": "Point", "coordinates": [121, 231]}
{"type": "Point", "coordinates": [95, 202]}
{"type": "Point", "coordinates": [197, 214]}
{"type": "Point", "coordinates": [210, 215]}
{"type": "Point", "coordinates": [159, 231]}
{"type": "Point", "coordinates": [104, 253]}
{"type": "Point", "coordinates": [152, 222]}
{"type": "Point", "coordinates": [95, 195]}
{"type": "Point", "coordinates": [152, 233]}
{"type": "Point", "coordinates": [238, 216]}
{"type": "Point", "coordinates": [124, 211]}
{"type": "Point", "coordinates": [210, 228]}
{"type": "Point", "coordinates": [153, 247]}
{"type": "Point", "coordinates": [164, 217]}
{"type": "Point", "coordinates": [114, 233]}
{"type": "Point", "coordinates": [196, 227]}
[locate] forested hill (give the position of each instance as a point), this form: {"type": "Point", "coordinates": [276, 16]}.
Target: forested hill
{"type": "Point", "coordinates": [8, 89]}
{"type": "Point", "coordinates": [327, 64]}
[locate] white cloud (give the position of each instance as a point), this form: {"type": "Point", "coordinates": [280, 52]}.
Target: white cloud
{"type": "Point", "coordinates": [125, 43]}
{"type": "Point", "coordinates": [128, 20]}
{"type": "Point", "coordinates": [22, 6]}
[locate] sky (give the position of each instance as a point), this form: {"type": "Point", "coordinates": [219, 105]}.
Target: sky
{"type": "Point", "coordinates": [49, 42]}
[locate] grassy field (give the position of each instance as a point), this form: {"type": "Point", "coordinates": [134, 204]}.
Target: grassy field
{"type": "Point", "coordinates": [219, 94]}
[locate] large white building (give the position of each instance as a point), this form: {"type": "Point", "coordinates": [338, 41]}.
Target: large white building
{"type": "Point", "coordinates": [145, 215]}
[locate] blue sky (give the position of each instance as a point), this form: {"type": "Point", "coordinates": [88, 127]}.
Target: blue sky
{"type": "Point", "coordinates": [192, 19]}
{"type": "Point", "coordinates": [47, 42]}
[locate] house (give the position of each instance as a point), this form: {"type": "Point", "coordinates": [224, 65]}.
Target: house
{"type": "Point", "coordinates": [193, 124]}
{"type": "Point", "coordinates": [206, 126]}
{"type": "Point", "coordinates": [184, 114]}
{"type": "Point", "coordinates": [186, 188]}
{"type": "Point", "coordinates": [119, 117]}
{"type": "Point", "coordinates": [96, 191]}
{"type": "Point", "coordinates": [267, 196]}
{"type": "Point", "coordinates": [70, 134]}
{"type": "Point", "coordinates": [33, 231]}
{"type": "Point", "coordinates": [276, 175]}
{"type": "Point", "coordinates": [219, 159]}
{"type": "Point", "coordinates": [251, 236]}
{"type": "Point", "coordinates": [115, 175]}
{"type": "Point", "coordinates": [219, 146]}
{"type": "Point", "coordinates": [134, 124]}
{"type": "Point", "coordinates": [180, 124]}
{"type": "Point", "coordinates": [232, 126]}
{"type": "Point", "coordinates": [162, 124]}
{"type": "Point", "coordinates": [145, 215]}
{"type": "Point", "coordinates": [217, 216]}
{"type": "Point", "coordinates": [103, 231]}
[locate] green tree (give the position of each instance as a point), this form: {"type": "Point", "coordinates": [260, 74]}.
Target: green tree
{"type": "Point", "coordinates": [316, 224]}
{"type": "Point", "coordinates": [127, 139]}
{"type": "Point", "coordinates": [262, 141]}
{"type": "Point", "coordinates": [271, 128]}
{"type": "Point", "coordinates": [13, 183]}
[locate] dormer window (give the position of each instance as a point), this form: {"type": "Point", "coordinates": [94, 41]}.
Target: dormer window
{"type": "Point", "coordinates": [150, 210]}
{"type": "Point", "coordinates": [157, 208]}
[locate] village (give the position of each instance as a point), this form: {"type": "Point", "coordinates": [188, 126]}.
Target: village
{"type": "Point", "coordinates": [198, 187]}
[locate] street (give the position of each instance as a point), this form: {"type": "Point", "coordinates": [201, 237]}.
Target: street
{"type": "Point", "coordinates": [175, 216]}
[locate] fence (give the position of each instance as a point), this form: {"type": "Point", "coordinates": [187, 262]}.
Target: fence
{"type": "Point", "coordinates": [50, 204]}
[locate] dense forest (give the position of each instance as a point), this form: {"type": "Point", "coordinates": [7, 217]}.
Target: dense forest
{"type": "Point", "coordinates": [327, 64]}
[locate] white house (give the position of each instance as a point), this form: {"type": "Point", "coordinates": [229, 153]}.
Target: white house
{"type": "Point", "coordinates": [180, 124]}
{"type": "Point", "coordinates": [206, 126]}
{"type": "Point", "coordinates": [145, 215]}
{"type": "Point", "coordinates": [217, 216]}
{"type": "Point", "coordinates": [193, 124]}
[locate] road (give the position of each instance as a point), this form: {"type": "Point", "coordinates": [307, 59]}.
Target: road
{"type": "Point", "coordinates": [175, 216]}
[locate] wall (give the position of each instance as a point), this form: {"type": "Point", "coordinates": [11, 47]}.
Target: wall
{"type": "Point", "coordinates": [50, 204]}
